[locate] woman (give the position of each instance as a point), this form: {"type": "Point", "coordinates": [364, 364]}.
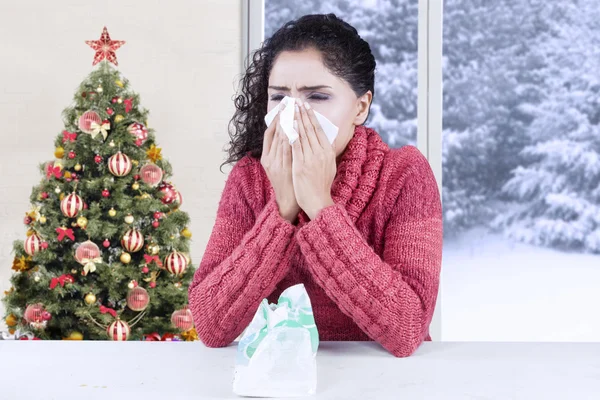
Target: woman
{"type": "Point", "coordinates": [358, 223]}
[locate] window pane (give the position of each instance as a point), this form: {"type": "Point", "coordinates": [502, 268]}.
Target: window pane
{"type": "Point", "coordinates": [390, 27]}
{"type": "Point", "coordinates": [521, 170]}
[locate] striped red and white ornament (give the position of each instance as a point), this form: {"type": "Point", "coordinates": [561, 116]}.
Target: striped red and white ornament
{"type": "Point", "coordinates": [86, 120]}
{"type": "Point", "coordinates": [176, 263]}
{"type": "Point", "coordinates": [119, 164]}
{"type": "Point", "coordinates": [118, 331]}
{"type": "Point", "coordinates": [151, 174]}
{"type": "Point", "coordinates": [71, 205]}
{"type": "Point", "coordinates": [132, 240]}
{"type": "Point", "coordinates": [32, 244]}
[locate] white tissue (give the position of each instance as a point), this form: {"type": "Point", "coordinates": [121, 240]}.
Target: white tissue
{"type": "Point", "coordinates": [286, 120]}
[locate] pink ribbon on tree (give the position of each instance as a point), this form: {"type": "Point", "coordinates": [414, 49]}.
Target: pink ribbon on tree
{"type": "Point", "coordinates": [61, 280]}
{"type": "Point", "coordinates": [52, 170]}
{"type": "Point", "coordinates": [62, 232]}
{"type": "Point", "coordinates": [105, 310]}
{"type": "Point", "coordinates": [155, 258]}
{"type": "Point", "coordinates": [69, 136]}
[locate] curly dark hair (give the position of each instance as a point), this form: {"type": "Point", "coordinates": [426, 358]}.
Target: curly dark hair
{"type": "Point", "coordinates": [345, 54]}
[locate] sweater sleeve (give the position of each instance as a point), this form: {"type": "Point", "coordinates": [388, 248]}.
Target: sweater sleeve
{"type": "Point", "coordinates": [244, 260]}
{"type": "Point", "coordinates": [391, 298]}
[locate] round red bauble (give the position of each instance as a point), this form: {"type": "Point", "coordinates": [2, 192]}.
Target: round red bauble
{"type": "Point", "coordinates": [71, 155]}
{"type": "Point", "coordinates": [85, 206]}
{"type": "Point", "coordinates": [34, 312]}
{"type": "Point", "coordinates": [27, 220]}
{"type": "Point", "coordinates": [46, 316]}
{"type": "Point", "coordinates": [44, 195]}
{"type": "Point", "coordinates": [152, 174]}
{"type": "Point", "coordinates": [44, 245]}
{"type": "Point", "coordinates": [138, 299]}
{"type": "Point", "coordinates": [138, 131]}
{"type": "Point", "coordinates": [157, 215]}
{"type": "Point", "coordinates": [169, 192]}
{"type": "Point", "coordinates": [152, 285]}
{"type": "Point", "coordinates": [155, 224]}
{"type": "Point", "coordinates": [85, 121]}
{"type": "Point", "coordinates": [98, 159]}
{"type": "Point", "coordinates": [145, 270]}
{"type": "Point", "coordinates": [182, 319]}
{"type": "Point", "coordinates": [105, 193]}
{"type": "Point", "coordinates": [136, 177]}
{"type": "Point", "coordinates": [106, 243]}
{"type": "Point", "coordinates": [110, 111]}
{"type": "Point", "coordinates": [114, 100]}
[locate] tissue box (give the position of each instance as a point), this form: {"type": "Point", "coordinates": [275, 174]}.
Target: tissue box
{"type": "Point", "coordinates": [276, 356]}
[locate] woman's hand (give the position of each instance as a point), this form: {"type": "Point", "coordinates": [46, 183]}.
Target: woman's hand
{"type": "Point", "coordinates": [313, 163]}
{"type": "Point", "coordinates": [277, 161]}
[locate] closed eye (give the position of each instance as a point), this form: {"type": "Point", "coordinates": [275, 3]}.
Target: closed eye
{"type": "Point", "coordinates": [313, 96]}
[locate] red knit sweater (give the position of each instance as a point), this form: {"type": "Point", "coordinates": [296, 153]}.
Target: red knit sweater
{"type": "Point", "coordinates": [370, 263]}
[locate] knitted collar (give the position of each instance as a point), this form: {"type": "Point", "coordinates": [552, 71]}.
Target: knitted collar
{"type": "Point", "coordinates": [357, 172]}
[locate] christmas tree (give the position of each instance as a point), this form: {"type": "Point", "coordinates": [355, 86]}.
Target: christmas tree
{"type": "Point", "coordinates": [106, 252]}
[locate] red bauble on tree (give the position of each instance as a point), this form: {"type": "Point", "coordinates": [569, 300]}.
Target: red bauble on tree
{"type": "Point", "coordinates": [118, 331]}
{"type": "Point", "coordinates": [119, 164]}
{"type": "Point", "coordinates": [71, 205]}
{"type": "Point", "coordinates": [155, 224]}
{"type": "Point", "coordinates": [85, 121]}
{"type": "Point", "coordinates": [106, 243]}
{"type": "Point", "coordinates": [139, 132]}
{"type": "Point", "coordinates": [87, 250]}
{"type": "Point", "coordinates": [178, 197]}
{"type": "Point", "coordinates": [151, 174]}
{"type": "Point", "coordinates": [98, 159]}
{"type": "Point", "coordinates": [72, 155]}
{"type": "Point", "coordinates": [176, 263]}
{"type": "Point", "coordinates": [182, 319]}
{"type": "Point", "coordinates": [105, 193]}
{"type": "Point", "coordinates": [34, 315]}
{"type": "Point", "coordinates": [132, 240]}
{"type": "Point", "coordinates": [32, 244]}
{"type": "Point", "coordinates": [138, 299]}
{"type": "Point", "coordinates": [170, 194]}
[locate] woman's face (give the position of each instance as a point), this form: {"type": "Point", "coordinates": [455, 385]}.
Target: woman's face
{"type": "Point", "coordinates": [303, 75]}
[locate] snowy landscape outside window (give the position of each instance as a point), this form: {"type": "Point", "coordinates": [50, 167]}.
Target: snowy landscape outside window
{"type": "Point", "coordinates": [521, 170]}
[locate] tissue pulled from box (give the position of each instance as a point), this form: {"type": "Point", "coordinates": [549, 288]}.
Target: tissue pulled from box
{"type": "Point", "coordinates": [286, 120]}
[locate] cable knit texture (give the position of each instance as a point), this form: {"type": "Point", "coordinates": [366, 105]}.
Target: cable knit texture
{"type": "Point", "coordinates": [370, 263]}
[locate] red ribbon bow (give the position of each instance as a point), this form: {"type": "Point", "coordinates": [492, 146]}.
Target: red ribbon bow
{"type": "Point", "coordinates": [110, 311]}
{"type": "Point", "coordinates": [62, 232]}
{"type": "Point", "coordinates": [128, 104]}
{"type": "Point", "coordinates": [154, 258]}
{"type": "Point", "coordinates": [155, 337]}
{"type": "Point", "coordinates": [69, 136]}
{"type": "Point", "coordinates": [61, 280]}
{"type": "Point", "coordinates": [52, 170]}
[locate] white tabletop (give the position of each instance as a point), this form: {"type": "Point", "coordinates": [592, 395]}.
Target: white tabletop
{"type": "Point", "coordinates": [346, 370]}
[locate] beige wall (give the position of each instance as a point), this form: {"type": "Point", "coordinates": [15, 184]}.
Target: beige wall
{"type": "Point", "coordinates": [181, 57]}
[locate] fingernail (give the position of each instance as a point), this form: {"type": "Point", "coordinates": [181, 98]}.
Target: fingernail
{"type": "Point", "coordinates": [297, 108]}
{"type": "Point", "coordinates": [307, 106]}
{"type": "Point", "coordinates": [296, 126]}
{"type": "Point", "coordinates": [299, 102]}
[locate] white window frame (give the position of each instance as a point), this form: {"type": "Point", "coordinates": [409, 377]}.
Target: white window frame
{"type": "Point", "coordinates": [429, 110]}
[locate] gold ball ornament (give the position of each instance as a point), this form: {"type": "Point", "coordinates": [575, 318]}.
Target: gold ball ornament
{"type": "Point", "coordinates": [119, 83]}
{"type": "Point", "coordinates": [154, 249]}
{"type": "Point", "coordinates": [112, 143]}
{"type": "Point", "coordinates": [77, 167]}
{"type": "Point", "coordinates": [186, 233]}
{"type": "Point", "coordinates": [99, 89]}
{"type": "Point", "coordinates": [82, 222]}
{"type": "Point", "coordinates": [36, 278]}
{"type": "Point", "coordinates": [90, 299]}
{"type": "Point", "coordinates": [112, 212]}
{"type": "Point", "coordinates": [119, 118]}
{"type": "Point", "coordinates": [59, 152]}
{"type": "Point", "coordinates": [57, 190]}
{"type": "Point", "coordinates": [130, 285]}
{"type": "Point", "coordinates": [125, 258]}
{"type": "Point", "coordinates": [43, 219]}
{"type": "Point", "coordinates": [135, 186]}
{"type": "Point", "coordinates": [119, 100]}
{"type": "Point", "coordinates": [129, 219]}
{"type": "Point", "coordinates": [61, 196]}
{"type": "Point", "coordinates": [74, 271]}
{"type": "Point", "coordinates": [74, 336]}
{"type": "Point", "coordinates": [11, 320]}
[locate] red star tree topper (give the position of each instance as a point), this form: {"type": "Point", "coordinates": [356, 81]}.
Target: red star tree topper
{"type": "Point", "coordinates": [105, 48]}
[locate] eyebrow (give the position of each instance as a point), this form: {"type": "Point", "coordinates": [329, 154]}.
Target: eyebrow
{"type": "Point", "coordinates": [302, 89]}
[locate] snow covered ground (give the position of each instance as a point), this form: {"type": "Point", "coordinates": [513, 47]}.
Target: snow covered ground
{"type": "Point", "coordinates": [496, 290]}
